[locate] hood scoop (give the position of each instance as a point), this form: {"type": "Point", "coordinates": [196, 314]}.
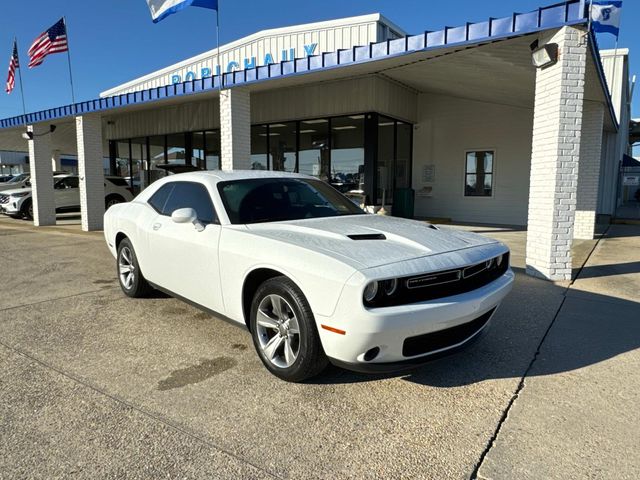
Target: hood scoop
{"type": "Point", "coordinates": [367, 236]}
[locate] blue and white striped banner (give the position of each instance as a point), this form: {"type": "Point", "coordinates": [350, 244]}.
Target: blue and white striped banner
{"type": "Point", "coordinates": [161, 9]}
{"type": "Point", "coordinates": [605, 16]}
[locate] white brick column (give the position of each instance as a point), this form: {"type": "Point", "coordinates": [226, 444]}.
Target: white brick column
{"type": "Point", "coordinates": [235, 129]}
{"type": "Point", "coordinates": [56, 164]}
{"type": "Point", "coordinates": [557, 124]}
{"type": "Point", "coordinates": [589, 171]}
{"type": "Point", "coordinates": [90, 171]}
{"type": "Point", "coordinates": [44, 209]}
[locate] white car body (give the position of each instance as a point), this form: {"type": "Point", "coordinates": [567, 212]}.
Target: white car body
{"type": "Point", "coordinates": [66, 194]}
{"type": "Point", "coordinates": [211, 268]}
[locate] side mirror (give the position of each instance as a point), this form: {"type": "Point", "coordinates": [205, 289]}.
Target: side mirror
{"type": "Point", "coordinates": [187, 215]}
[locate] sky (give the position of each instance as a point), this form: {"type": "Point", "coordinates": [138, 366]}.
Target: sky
{"type": "Point", "coordinates": [115, 41]}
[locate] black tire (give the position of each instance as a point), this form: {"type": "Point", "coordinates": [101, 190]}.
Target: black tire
{"type": "Point", "coordinates": [136, 286]}
{"type": "Point", "coordinates": [27, 209]}
{"type": "Point", "coordinates": [111, 200]}
{"type": "Point", "coordinates": [310, 359]}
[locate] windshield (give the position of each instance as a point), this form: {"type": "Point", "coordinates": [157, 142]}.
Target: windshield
{"type": "Point", "coordinates": [280, 199]}
{"type": "Point", "coordinates": [18, 178]}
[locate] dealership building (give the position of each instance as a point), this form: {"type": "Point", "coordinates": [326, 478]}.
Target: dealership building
{"type": "Point", "coordinates": [520, 120]}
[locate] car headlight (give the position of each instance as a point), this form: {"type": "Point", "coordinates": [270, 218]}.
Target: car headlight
{"type": "Point", "coordinates": [390, 286]}
{"type": "Point", "coordinates": [370, 292]}
{"type": "Point", "coordinates": [378, 292]}
{"type": "Point", "coordinates": [19, 195]}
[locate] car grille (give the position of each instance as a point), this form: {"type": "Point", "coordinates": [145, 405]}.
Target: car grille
{"type": "Point", "coordinates": [4, 198]}
{"type": "Point", "coordinates": [432, 342]}
{"type": "Point", "coordinates": [445, 283]}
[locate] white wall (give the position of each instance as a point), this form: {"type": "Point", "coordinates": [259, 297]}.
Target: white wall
{"type": "Point", "coordinates": [312, 38]}
{"type": "Point", "coordinates": [616, 69]}
{"type": "Point", "coordinates": [365, 94]}
{"type": "Point", "coordinates": [447, 127]}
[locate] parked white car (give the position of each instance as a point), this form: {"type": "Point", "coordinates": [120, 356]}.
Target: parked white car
{"type": "Point", "coordinates": [17, 203]}
{"type": "Point", "coordinates": [311, 276]}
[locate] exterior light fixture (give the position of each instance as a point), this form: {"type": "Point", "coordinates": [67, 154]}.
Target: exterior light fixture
{"type": "Point", "coordinates": [545, 56]}
{"type": "Point", "coordinates": [29, 135]}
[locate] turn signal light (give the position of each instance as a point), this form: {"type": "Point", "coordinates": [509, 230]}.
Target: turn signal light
{"type": "Point", "coordinates": [334, 330]}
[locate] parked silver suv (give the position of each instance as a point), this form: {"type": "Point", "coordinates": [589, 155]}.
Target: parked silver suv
{"type": "Point", "coordinates": [17, 202]}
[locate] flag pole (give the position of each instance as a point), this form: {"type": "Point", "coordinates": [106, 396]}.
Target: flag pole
{"type": "Point", "coordinates": [218, 44]}
{"type": "Point", "coordinates": [73, 96]}
{"type": "Point", "coordinates": [24, 108]}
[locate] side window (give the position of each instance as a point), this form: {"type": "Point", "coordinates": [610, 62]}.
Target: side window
{"type": "Point", "coordinates": [159, 199]}
{"type": "Point", "coordinates": [72, 182]}
{"type": "Point", "coordinates": [191, 195]}
{"type": "Point", "coordinates": [479, 174]}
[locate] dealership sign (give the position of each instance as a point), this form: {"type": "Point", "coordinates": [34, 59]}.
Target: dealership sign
{"type": "Point", "coordinates": [631, 180]}
{"type": "Point", "coordinates": [233, 65]}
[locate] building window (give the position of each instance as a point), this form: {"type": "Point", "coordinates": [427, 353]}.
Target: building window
{"type": "Point", "coordinates": [347, 153]}
{"type": "Point", "coordinates": [177, 149]}
{"type": "Point", "coordinates": [212, 160]}
{"type": "Point", "coordinates": [282, 146]}
{"type": "Point", "coordinates": [479, 173]}
{"type": "Point", "coordinates": [393, 168]}
{"type": "Point", "coordinates": [315, 152]}
{"type": "Point", "coordinates": [259, 147]}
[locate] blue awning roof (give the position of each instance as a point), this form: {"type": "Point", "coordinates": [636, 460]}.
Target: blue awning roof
{"type": "Point", "coordinates": [518, 24]}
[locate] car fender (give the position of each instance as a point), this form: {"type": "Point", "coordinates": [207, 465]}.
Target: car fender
{"type": "Point", "coordinates": [320, 277]}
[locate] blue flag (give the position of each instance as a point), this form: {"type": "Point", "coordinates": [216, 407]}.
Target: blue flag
{"type": "Point", "coordinates": [605, 16]}
{"type": "Point", "coordinates": [161, 9]}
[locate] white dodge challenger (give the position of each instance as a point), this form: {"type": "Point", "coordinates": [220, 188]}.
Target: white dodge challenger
{"type": "Point", "coordinates": [312, 277]}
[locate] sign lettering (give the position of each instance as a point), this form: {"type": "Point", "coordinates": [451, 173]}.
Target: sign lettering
{"type": "Point", "coordinates": [251, 62]}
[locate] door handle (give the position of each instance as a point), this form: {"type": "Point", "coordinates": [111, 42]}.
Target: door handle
{"type": "Point", "coordinates": [156, 226]}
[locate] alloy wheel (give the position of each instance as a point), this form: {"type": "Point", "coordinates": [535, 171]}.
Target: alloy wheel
{"type": "Point", "coordinates": [126, 268]}
{"type": "Point", "coordinates": [278, 331]}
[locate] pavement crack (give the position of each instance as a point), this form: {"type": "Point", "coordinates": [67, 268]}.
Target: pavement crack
{"type": "Point", "coordinates": [151, 415]}
{"type": "Point", "coordinates": [6, 309]}
{"type": "Point", "coordinates": [521, 384]}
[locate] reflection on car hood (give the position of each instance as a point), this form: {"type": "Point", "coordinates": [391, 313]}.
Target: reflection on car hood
{"type": "Point", "coordinates": [352, 238]}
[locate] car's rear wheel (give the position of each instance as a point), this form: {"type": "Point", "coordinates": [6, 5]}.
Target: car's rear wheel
{"type": "Point", "coordinates": [130, 276]}
{"type": "Point", "coordinates": [284, 331]}
{"type": "Point", "coordinates": [112, 200]}
{"type": "Point", "coordinates": [27, 209]}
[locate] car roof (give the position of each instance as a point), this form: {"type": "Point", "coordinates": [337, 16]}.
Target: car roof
{"type": "Point", "coordinates": [226, 175]}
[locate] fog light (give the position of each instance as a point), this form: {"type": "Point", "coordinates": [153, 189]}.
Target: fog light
{"type": "Point", "coordinates": [371, 354]}
{"type": "Point", "coordinates": [371, 291]}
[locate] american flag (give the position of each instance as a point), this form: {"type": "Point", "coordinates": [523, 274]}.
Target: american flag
{"type": "Point", "coordinates": [14, 64]}
{"type": "Point", "coordinates": [53, 40]}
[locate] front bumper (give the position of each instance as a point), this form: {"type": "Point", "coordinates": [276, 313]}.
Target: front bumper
{"type": "Point", "coordinates": [446, 326]}
{"type": "Point", "coordinates": [10, 208]}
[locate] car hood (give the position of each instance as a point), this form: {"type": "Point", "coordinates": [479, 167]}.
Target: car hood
{"type": "Point", "coordinates": [16, 190]}
{"type": "Point", "coordinates": [366, 241]}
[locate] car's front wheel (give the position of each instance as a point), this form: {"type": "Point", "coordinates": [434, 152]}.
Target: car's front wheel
{"type": "Point", "coordinates": [284, 331]}
{"type": "Point", "coordinates": [132, 282]}
{"type": "Point", "coordinates": [27, 209]}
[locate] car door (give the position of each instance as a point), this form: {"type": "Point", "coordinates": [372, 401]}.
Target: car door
{"type": "Point", "coordinates": [67, 192]}
{"type": "Point", "coordinates": [180, 258]}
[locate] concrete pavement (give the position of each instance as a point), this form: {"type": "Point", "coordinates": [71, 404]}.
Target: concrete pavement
{"type": "Point", "coordinates": [576, 415]}
{"type": "Point", "coordinates": [95, 384]}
